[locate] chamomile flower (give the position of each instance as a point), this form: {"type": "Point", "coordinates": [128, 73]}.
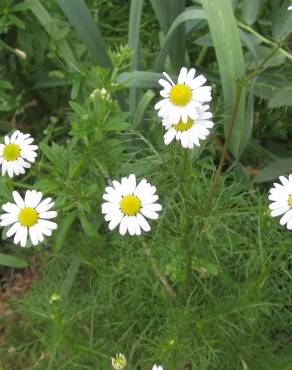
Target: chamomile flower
{"type": "Point", "coordinates": [127, 204]}
{"type": "Point", "coordinates": [28, 217]}
{"type": "Point", "coordinates": [119, 361]}
{"type": "Point", "coordinates": [281, 196]}
{"type": "Point", "coordinates": [155, 367]}
{"type": "Point", "coordinates": [16, 153]}
{"type": "Point", "coordinates": [181, 101]}
{"type": "Point", "coordinates": [190, 133]}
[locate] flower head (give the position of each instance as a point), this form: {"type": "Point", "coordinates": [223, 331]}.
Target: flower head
{"type": "Point", "coordinates": [190, 133]}
{"type": "Point", "coordinates": [155, 367]}
{"type": "Point", "coordinates": [127, 204]}
{"type": "Point", "coordinates": [290, 7]}
{"type": "Point", "coordinates": [281, 196]}
{"type": "Point", "coordinates": [181, 101]}
{"type": "Point", "coordinates": [16, 153]}
{"type": "Point", "coordinates": [28, 216]}
{"type": "Point", "coordinates": [119, 361]}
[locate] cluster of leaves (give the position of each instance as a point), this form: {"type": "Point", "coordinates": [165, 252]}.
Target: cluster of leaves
{"type": "Point", "coordinates": [97, 293]}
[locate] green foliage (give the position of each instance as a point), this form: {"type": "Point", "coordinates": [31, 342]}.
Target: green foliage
{"type": "Point", "coordinates": [84, 86]}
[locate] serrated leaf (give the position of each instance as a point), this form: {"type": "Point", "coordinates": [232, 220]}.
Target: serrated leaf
{"type": "Point", "coordinates": [282, 98]}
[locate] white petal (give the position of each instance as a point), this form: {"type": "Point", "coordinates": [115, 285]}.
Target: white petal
{"type": "Point", "coordinates": [18, 200]}
{"type": "Point", "coordinates": [153, 207]}
{"type": "Point", "coordinates": [115, 220]}
{"type": "Point", "coordinates": [198, 82]}
{"type": "Point", "coordinates": [182, 75]}
{"type": "Point", "coordinates": [190, 76]}
{"type": "Point", "coordinates": [48, 224]}
{"type": "Point", "coordinates": [23, 239]}
{"type": "Point", "coordinates": [123, 225]}
{"type": "Point", "coordinates": [13, 229]}
{"type": "Point", "coordinates": [45, 205]}
{"type": "Point", "coordinates": [149, 214]}
{"type": "Point", "coordinates": [11, 208]}
{"type": "Point", "coordinates": [33, 235]}
{"type": "Point", "coordinates": [169, 136]}
{"type": "Point", "coordinates": [287, 216]}
{"type": "Point", "coordinates": [165, 84]}
{"type": "Point", "coordinates": [142, 222]}
{"type": "Point", "coordinates": [48, 215]}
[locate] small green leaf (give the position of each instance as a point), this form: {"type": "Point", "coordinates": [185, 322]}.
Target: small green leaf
{"type": "Point", "coordinates": [139, 79]}
{"type": "Point", "coordinates": [6, 85]}
{"type": "Point", "coordinates": [11, 261]}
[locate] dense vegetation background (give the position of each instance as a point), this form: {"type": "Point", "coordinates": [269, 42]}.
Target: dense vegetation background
{"type": "Point", "coordinates": [68, 75]}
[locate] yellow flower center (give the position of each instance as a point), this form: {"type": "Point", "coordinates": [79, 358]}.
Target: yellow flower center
{"type": "Point", "coordinates": [180, 94]}
{"type": "Point", "coordinates": [130, 205]}
{"type": "Point", "coordinates": [181, 126]}
{"type": "Point", "coordinates": [290, 200]}
{"type": "Point", "coordinates": [28, 216]}
{"type": "Point", "coordinates": [11, 152]}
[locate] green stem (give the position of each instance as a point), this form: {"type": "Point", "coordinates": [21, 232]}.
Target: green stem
{"type": "Point", "coordinates": [264, 39]}
{"type": "Point", "coordinates": [235, 107]}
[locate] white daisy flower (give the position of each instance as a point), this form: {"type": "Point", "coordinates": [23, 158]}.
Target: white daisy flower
{"type": "Point", "coordinates": [155, 367]}
{"type": "Point", "coordinates": [182, 100]}
{"type": "Point", "coordinates": [29, 217]}
{"type": "Point", "coordinates": [119, 361]}
{"type": "Point", "coordinates": [127, 205]}
{"type": "Point", "coordinates": [16, 153]}
{"type": "Point", "coordinates": [281, 196]}
{"type": "Point", "coordinates": [190, 133]}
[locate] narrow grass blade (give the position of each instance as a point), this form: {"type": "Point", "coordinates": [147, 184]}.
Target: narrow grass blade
{"type": "Point", "coordinates": [11, 261]}
{"type": "Point", "coordinates": [139, 79]}
{"type": "Point", "coordinates": [133, 42]}
{"type": "Point", "coordinates": [274, 170]}
{"type": "Point", "coordinates": [187, 15]}
{"type": "Point", "coordinates": [70, 276]}
{"type": "Point", "coordinates": [142, 106]}
{"type": "Point", "coordinates": [229, 54]}
{"type": "Point", "coordinates": [166, 12]}
{"type": "Point", "coordinates": [52, 29]}
{"type": "Point", "coordinates": [80, 18]}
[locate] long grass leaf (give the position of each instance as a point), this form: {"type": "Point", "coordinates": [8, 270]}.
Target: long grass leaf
{"type": "Point", "coordinates": [139, 79]}
{"type": "Point", "coordinates": [274, 170]}
{"type": "Point", "coordinates": [133, 42]}
{"type": "Point", "coordinates": [229, 54]}
{"type": "Point", "coordinates": [187, 15]}
{"type": "Point", "coordinates": [166, 12]}
{"type": "Point", "coordinates": [11, 261]}
{"type": "Point", "coordinates": [80, 18]}
{"type": "Point", "coordinates": [52, 29]}
{"type": "Point", "coordinates": [141, 108]}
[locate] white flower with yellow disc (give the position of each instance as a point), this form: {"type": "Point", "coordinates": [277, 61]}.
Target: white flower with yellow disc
{"type": "Point", "coordinates": [17, 153]}
{"type": "Point", "coordinates": [182, 100]}
{"type": "Point", "coordinates": [119, 362]}
{"type": "Point", "coordinates": [28, 217]}
{"type": "Point", "coordinates": [128, 204]}
{"type": "Point", "coordinates": [190, 133]}
{"type": "Point", "coordinates": [281, 196]}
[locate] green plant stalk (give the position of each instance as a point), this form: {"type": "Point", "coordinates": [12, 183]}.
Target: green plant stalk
{"type": "Point", "coordinates": [264, 39]}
